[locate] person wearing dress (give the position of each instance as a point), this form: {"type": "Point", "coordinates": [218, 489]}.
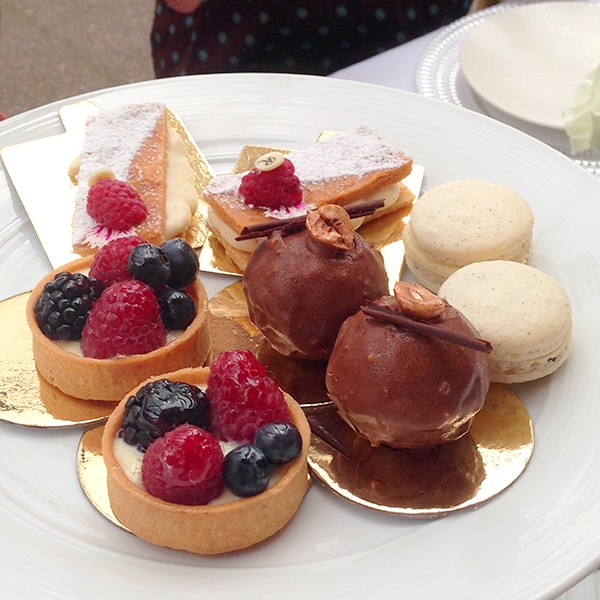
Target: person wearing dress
{"type": "Point", "coordinates": [311, 37]}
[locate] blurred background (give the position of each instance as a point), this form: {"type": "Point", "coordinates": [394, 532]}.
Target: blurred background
{"type": "Point", "coordinates": [54, 49]}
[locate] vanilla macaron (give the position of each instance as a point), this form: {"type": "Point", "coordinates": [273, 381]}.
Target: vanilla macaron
{"type": "Point", "coordinates": [460, 222]}
{"type": "Point", "coordinates": [523, 312]}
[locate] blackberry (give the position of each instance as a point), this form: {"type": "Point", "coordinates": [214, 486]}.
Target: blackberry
{"type": "Point", "coordinates": [63, 308]}
{"type": "Point", "coordinates": [148, 263]}
{"type": "Point", "coordinates": [246, 471]}
{"type": "Point", "coordinates": [280, 442]}
{"type": "Point", "coordinates": [183, 262]}
{"type": "Point", "coordinates": [160, 406]}
{"type": "Point", "coordinates": [177, 307]}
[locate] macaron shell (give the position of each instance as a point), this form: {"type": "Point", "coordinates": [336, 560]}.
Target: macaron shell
{"type": "Point", "coordinates": [464, 221]}
{"type": "Point", "coordinates": [523, 312]}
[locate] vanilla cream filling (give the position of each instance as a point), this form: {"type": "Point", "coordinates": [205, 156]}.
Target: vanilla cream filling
{"type": "Point", "coordinates": [74, 346]}
{"type": "Point", "coordinates": [182, 199]}
{"type": "Point", "coordinates": [130, 460]}
{"type": "Point", "coordinates": [390, 194]}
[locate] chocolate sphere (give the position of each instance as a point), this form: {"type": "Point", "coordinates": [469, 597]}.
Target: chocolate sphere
{"type": "Point", "coordinates": [299, 291]}
{"type": "Point", "coordinates": [404, 389]}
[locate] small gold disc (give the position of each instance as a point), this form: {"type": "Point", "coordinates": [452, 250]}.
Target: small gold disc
{"type": "Point", "coordinates": [432, 482]}
{"type": "Point", "coordinates": [25, 397]}
{"type": "Point", "coordinates": [91, 471]}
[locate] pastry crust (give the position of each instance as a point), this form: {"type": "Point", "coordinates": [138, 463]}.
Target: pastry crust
{"type": "Point", "coordinates": [206, 529]}
{"type": "Point", "coordinates": [109, 142]}
{"type": "Point", "coordinates": [346, 168]}
{"type": "Point", "coordinates": [109, 379]}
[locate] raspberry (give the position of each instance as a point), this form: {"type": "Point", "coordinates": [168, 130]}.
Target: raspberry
{"type": "Point", "coordinates": [115, 204]}
{"type": "Point", "coordinates": [272, 189]}
{"type": "Point", "coordinates": [242, 396]}
{"type": "Point", "coordinates": [124, 321]}
{"type": "Point", "coordinates": [110, 263]}
{"type": "Point", "coordinates": [184, 466]}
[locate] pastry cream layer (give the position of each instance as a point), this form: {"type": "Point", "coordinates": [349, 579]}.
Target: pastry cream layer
{"type": "Point", "coordinates": [390, 194]}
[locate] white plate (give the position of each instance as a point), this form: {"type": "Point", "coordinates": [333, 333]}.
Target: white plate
{"type": "Point", "coordinates": [439, 75]}
{"type": "Point", "coordinates": [534, 541]}
{"type": "Point", "coordinates": [529, 61]}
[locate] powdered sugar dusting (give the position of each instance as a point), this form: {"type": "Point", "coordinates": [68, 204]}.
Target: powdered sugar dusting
{"type": "Point", "coordinates": [357, 151]}
{"type": "Point", "coordinates": [112, 138]}
{"type": "Point", "coordinates": [289, 212]}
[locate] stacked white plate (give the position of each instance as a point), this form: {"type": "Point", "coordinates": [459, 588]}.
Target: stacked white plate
{"type": "Point", "coordinates": [519, 62]}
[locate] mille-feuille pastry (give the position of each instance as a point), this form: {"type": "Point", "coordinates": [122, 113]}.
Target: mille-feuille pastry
{"type": "Point", "coordinates": [249, 486]}
{"type": "Point", "coordinates": [96, 336]}
{"type": "Point", "coordinates": [134, 144]}
{"type": "Point", "coordinates": [408, 370]}
{"type": "Point", "coordinates": [301, 287]}
{"type": "Point", "coordinates": [465, 221]}
{"type": "Point", "coordinates": [352, 166]}
{"type": "Point", "coordinates": [522, 311]}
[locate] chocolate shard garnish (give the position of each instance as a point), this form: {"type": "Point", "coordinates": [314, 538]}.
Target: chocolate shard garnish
{"type": "Point", "coordinates": [429, 329]}
{"type": "Point", "coordinates": [293, 224]}
{"type": "Point", "coordinates": [324, 434]}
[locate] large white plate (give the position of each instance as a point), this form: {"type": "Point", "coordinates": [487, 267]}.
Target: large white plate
{"type": "Point", "coordinates": [528, 61]}
{"type": "Point", "coordinates": [439, 75]}
{"type": "Point", "coordinates": [534, 541]}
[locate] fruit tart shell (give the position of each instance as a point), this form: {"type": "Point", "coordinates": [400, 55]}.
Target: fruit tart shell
{"type": "Point", "coordinates": [205, 529]}
{"type": "Point", "coordinates": [109, 379]}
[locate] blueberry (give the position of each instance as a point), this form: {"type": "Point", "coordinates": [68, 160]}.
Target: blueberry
{"type": "Point", "coordinates": [280, 442]}
{"type": "Point", "coordinates": [183, 261]}
{"type": "Point", "coordinates": [149, 264]}
{"type": "Point", "coordinates": [246, 471]}
{"type": "Point", "coordinates": [177, 307]}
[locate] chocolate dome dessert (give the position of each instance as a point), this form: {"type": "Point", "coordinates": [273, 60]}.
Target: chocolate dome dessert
{"type": "Point", "coordinates": [403, 388]}
{"type": "Point", "coordinates": [301, 287]}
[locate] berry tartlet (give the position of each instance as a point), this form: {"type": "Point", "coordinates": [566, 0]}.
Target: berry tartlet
{"type": "Point", "coordinates": [184, 491]}
{"type": "Point", "coordinates": [98, 330]}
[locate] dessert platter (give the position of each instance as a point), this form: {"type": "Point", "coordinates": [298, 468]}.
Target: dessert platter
{"type": "Point", "coordinates": [544, 526]}
{"type": "Point", "coordinates": [498, 60]}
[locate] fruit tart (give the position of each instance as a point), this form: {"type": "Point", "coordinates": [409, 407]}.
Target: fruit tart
{"type": "Point", "coordinates": [207, 460]}
{"type": "Point", "coordinates": [102, 324]}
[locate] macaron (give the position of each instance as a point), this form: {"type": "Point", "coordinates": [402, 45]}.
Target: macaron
{"type": "Point", "coordinates": [523, 312]}
{"type": "Point", "coordinates": [465, 221]}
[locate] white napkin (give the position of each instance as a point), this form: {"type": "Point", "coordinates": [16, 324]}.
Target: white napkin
{"type": "Point", "coordinates": [582, 119]}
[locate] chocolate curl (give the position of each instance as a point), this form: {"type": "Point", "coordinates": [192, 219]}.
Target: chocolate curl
{"type": "Point", "coordinates": [293, 224]}
{"type": "Point", "coordinates": [324, 434]}
{"type": "Point", "coordinates": [429, 329]}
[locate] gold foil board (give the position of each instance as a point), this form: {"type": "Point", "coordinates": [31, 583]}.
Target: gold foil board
{"type": "Point", "coordinates": [39, 169]}
{"type": "Point", "coordinates": [419, 484]}
{"type": "Point", "coordinates": [433, 482]}
{"type": "Point", "coordinates": [25, 397]}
